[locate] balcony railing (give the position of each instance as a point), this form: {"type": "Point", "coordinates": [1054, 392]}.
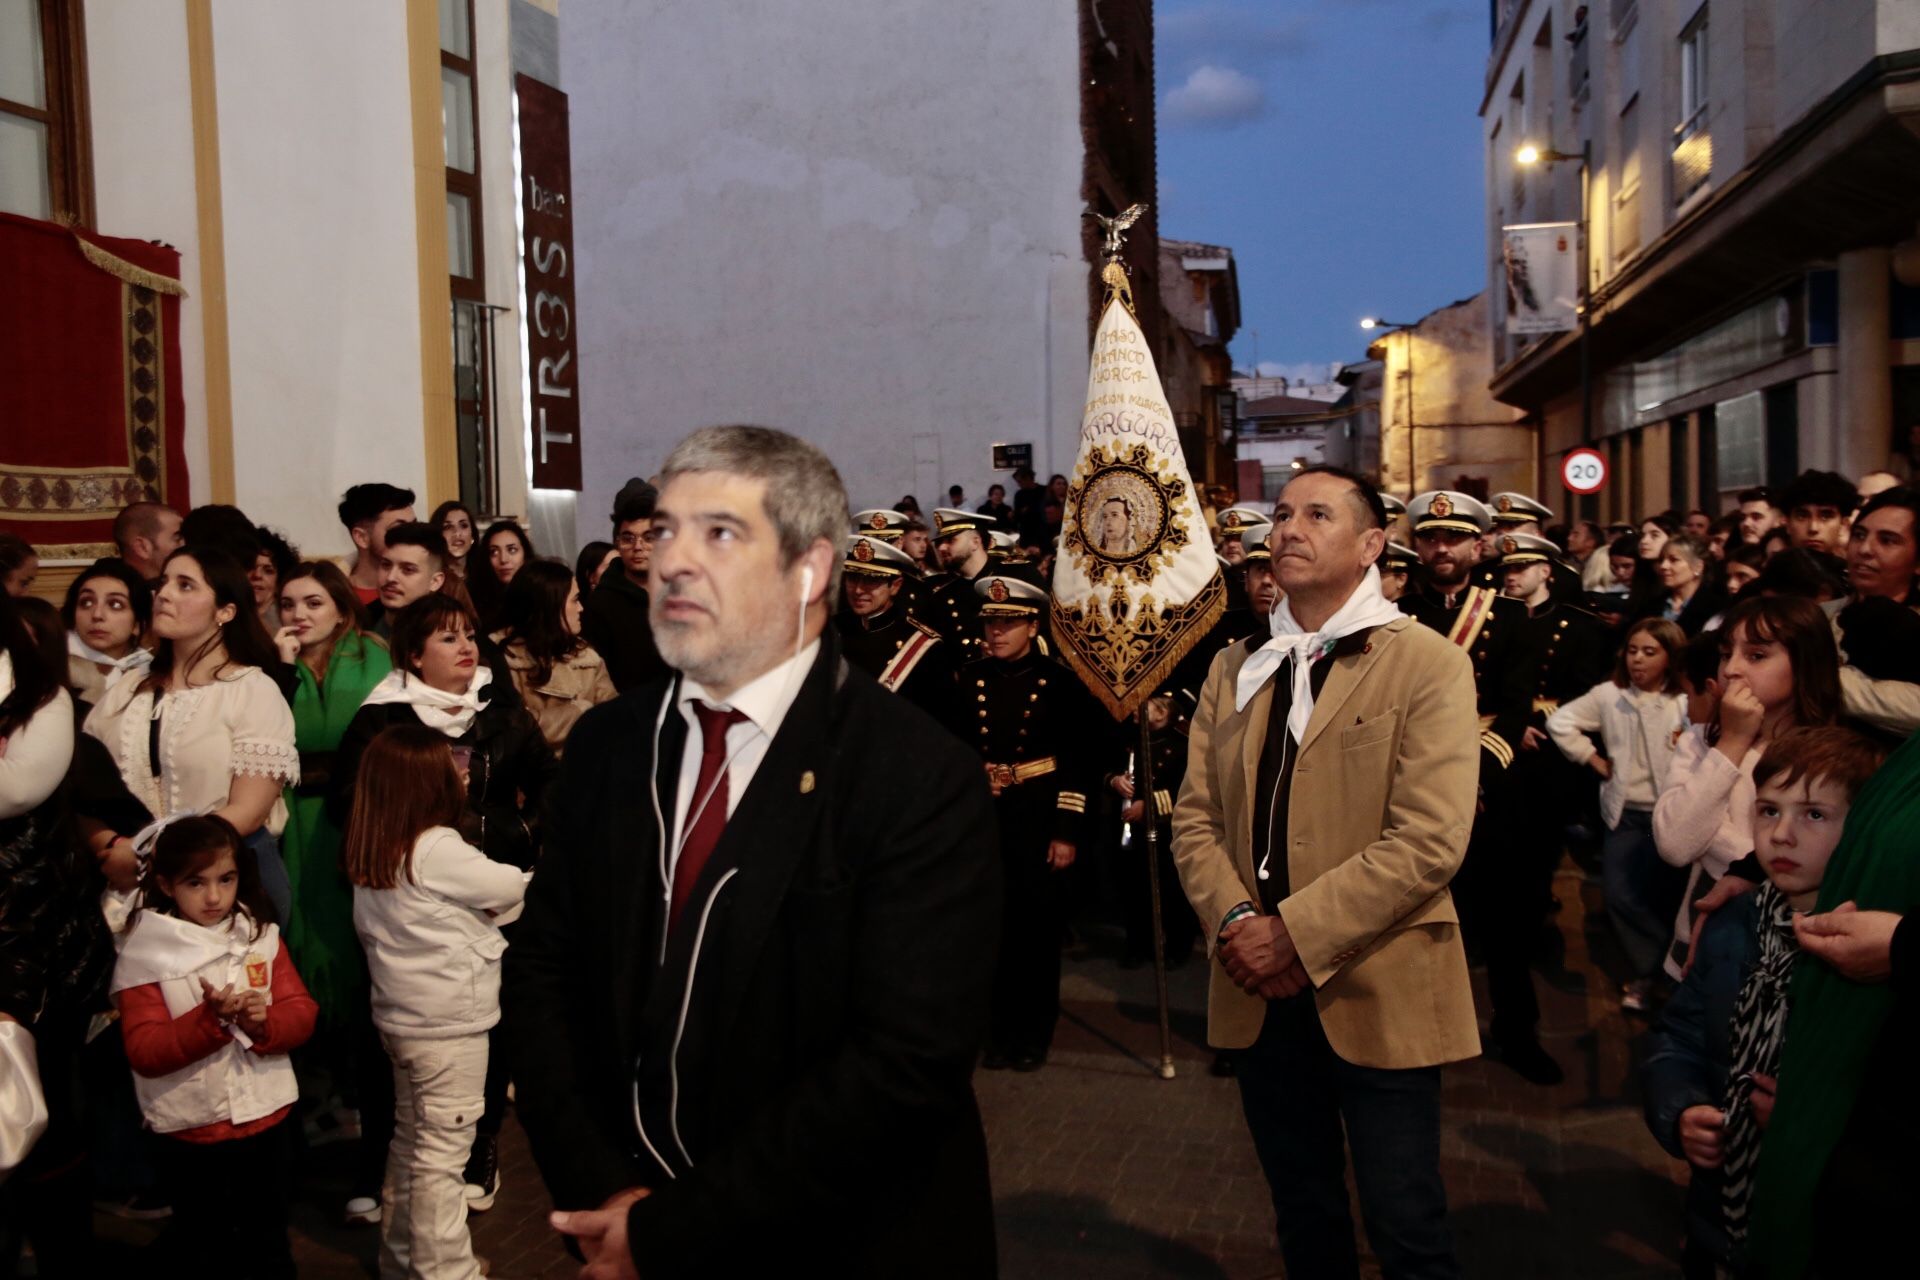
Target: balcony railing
{"type": "Point", "coordinates": [1692, 155]}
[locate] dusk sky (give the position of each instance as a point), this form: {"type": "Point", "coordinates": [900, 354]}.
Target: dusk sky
{"type": "Point", "coordinates": [1334, 145]}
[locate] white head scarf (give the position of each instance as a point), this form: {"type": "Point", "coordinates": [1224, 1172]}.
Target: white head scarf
{"type": "Point", "coordinates": [1366, 607]}
{"type": "Point", "coordinates": [450, 713]}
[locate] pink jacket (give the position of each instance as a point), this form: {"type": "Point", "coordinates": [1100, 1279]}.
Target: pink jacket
{"type": "Point", "coordinates": [1705, 811]}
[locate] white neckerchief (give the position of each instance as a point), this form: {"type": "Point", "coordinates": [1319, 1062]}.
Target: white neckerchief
{"type": "Point", "coordinates": [136, 662]}
{"type": "Point", "coordinates": [450, 713]}
{"type": "Point", "coordinates": [1366, 607]}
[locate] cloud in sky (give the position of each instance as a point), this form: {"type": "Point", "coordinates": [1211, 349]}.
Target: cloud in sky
{"type": "Point", "coordinates": [1203, 33]}
{"type": "Point", "coordinates": [1215, 96]}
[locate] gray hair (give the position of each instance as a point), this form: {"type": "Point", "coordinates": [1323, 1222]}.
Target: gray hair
{"type": "Point", "coordinates": [806, 500]}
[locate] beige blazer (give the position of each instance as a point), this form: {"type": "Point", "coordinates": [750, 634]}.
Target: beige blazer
{"type": "Point", "coordinates": [1381, 806]}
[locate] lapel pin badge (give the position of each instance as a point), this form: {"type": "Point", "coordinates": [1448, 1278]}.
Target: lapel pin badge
{"type": "Point", "coordinates": [806, 783]}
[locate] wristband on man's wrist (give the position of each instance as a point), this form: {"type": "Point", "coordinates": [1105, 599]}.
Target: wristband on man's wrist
{"type": "Point", "coordinates": [1240, 912]}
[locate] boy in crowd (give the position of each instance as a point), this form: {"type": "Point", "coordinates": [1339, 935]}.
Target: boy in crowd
{"type": "Point", "coordinates": [1758, 515]}
{"type": "Point", "coordinates": [413, 564]}
{"type": "Point", "coordinates": [1819, 504]}
{"type": "Point", "coordinates": [368, 511]}
{"type": "Point", "coordinates": [1710, 1072]}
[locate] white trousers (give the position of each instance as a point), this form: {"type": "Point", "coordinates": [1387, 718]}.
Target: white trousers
{"type": "Point", "coordinates": [439, 1091]}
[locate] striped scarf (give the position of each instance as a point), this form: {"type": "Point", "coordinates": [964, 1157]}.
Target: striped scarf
{"type": "Point", "coordinates": [1759, 1031]}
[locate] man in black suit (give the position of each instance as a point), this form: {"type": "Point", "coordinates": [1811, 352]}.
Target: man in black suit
{"type": "Point", "coordinates": [616, 622]}
{"type": "Point", "coordinates": [753, 971]}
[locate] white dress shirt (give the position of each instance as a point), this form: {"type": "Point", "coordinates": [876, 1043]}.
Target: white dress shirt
{"type": "Point", "coordinates": [764, 701]}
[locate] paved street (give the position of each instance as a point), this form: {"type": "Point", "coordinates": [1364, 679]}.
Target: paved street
{"type": "Point", "coordinates": [1102, 1170]}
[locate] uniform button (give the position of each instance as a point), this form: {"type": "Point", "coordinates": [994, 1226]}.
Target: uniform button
{"type": "Point", "coordinates": [983, 713]}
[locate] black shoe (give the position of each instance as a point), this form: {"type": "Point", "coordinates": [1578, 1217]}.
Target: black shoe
{"type": "Point", "coordinates": [1030, 1062]}
{"type": "Point", "coordinates": [1222, 1065]}
{"type": "Point", "coordinates": [1531, 1062]}
{"type": "Point", "coordinates": [483, 1174]}
{"type": "Point", "coordinates": [995, 1061]}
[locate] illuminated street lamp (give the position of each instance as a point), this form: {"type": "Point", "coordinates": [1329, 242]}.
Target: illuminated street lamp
{"type": "Point", "coordinates": [1375, 322]}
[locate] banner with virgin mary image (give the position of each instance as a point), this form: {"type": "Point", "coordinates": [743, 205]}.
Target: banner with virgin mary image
{"type": "Point", "coordinates": [1136, 583]}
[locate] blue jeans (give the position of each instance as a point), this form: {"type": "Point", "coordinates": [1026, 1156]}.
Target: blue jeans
{"type": "Point", "coordinates": [1642, 892]}
{"type": "Point", "coordinates": [1296, 1093]}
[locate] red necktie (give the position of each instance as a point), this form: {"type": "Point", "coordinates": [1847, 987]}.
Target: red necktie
{"type": "Point", "coordinates": [705, 820]}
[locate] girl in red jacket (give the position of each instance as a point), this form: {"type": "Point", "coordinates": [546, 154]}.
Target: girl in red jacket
{"type": "Point", "coordinates": [209, 1006]}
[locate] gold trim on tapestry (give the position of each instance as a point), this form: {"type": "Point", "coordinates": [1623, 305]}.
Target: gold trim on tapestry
{"type": "Point", "coordinates": [121, 269]}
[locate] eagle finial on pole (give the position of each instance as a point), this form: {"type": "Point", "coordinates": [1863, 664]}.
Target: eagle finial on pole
{"type": "Point", "coordinates": [1114, 272]}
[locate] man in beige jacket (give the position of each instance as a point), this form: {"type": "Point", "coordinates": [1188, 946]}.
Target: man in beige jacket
{"type": "Point", "coordinates": [1332, 786]}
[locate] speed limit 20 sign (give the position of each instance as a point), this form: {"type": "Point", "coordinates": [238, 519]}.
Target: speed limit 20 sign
{"type": "Point", "coordinates": [1584, 471]}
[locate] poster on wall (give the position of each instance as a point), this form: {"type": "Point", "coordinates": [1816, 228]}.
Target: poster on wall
{"type": "Point", "coordinates": [1543, 277]}
{"type": "Point", "coordinates": [547, 267]}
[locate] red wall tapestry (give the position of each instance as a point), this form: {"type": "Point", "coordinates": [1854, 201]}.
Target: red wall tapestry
{"type": "Point", "coordinates": [91, 415]}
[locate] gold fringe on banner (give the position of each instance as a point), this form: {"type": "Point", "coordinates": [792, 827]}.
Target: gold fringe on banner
{"type": "Point", "coordinates": [121, 269]}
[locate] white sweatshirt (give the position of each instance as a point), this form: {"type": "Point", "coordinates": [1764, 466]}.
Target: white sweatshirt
{"type": "Point", "coordinates": [34, 759]}
{"type": "Point", "coordinates": [432, 950]}
{"type": "Point", "coordinates": [1640, 730]}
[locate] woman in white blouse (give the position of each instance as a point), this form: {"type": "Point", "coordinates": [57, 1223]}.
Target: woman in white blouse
{"type": "Point", "coordinates": [207, 729]}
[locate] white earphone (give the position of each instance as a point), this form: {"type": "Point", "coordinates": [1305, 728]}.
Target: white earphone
{"type": "Point", "coordinates": [806, 584]}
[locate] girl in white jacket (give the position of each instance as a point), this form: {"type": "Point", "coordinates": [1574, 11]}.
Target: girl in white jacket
{"type": "Point", "coordinates": [1639, 715]}
{"type": "Point", "coordinates": [427, 906]}
{"type": "Point", "coordinates": [210, 1006]}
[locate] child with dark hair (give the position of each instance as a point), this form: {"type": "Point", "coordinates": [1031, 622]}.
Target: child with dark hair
{"type": "Point", "coordinates": [210, 1006]}
{"type": "Point", "coordinates": [1779, 670]}
{"type": "Point", "coordinates": [1811, 575]}
{"type": "Point", "coordinates": [1711, 1073]}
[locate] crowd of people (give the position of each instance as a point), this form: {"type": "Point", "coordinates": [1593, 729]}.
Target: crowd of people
{"type": "Point", "coordinates": [267, 822]}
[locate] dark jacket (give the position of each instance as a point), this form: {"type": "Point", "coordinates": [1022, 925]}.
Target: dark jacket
{"type": "Point", "coordinates": [509, 774]}
{"type": "Point", "coordinates": [1691, 1051]}
{"type": "Point", "coordinates": [810, 1100]}
{"type": "Point", "coordinates": [617, 625]}
{"type": "Point", "coordinates": [55, 950]}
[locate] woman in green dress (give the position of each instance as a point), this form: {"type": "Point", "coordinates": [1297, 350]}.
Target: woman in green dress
{"type": "Point", "coordinates": [336, 664]}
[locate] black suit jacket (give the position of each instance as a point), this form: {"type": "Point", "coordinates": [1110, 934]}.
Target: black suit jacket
{"type": "Point", "coordinates": [616, 624]}
{"type": "Point", "coordinates": [818, 1076]}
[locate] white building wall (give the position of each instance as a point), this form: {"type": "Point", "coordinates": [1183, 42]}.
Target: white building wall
{"type": "Point", "coordinates": [323, 286]}
{"type": "Point", "coordinates": [139, 101]}
{"type": "Point", "coordinates": [801, 215]}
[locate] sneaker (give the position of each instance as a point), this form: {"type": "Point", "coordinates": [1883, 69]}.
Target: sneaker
{"type": "Point", "coordinates": [1635, 996]}
{"type": "Point", "coordinates": [483, 1174]}
{"type": "Point", "coordinates": [363, 1211]}
{"type": "Point", "coordinates": [141, 1206]}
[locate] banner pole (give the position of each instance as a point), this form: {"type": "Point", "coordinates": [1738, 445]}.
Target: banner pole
{"type": "Point", "coordinates": [1143, 793]}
